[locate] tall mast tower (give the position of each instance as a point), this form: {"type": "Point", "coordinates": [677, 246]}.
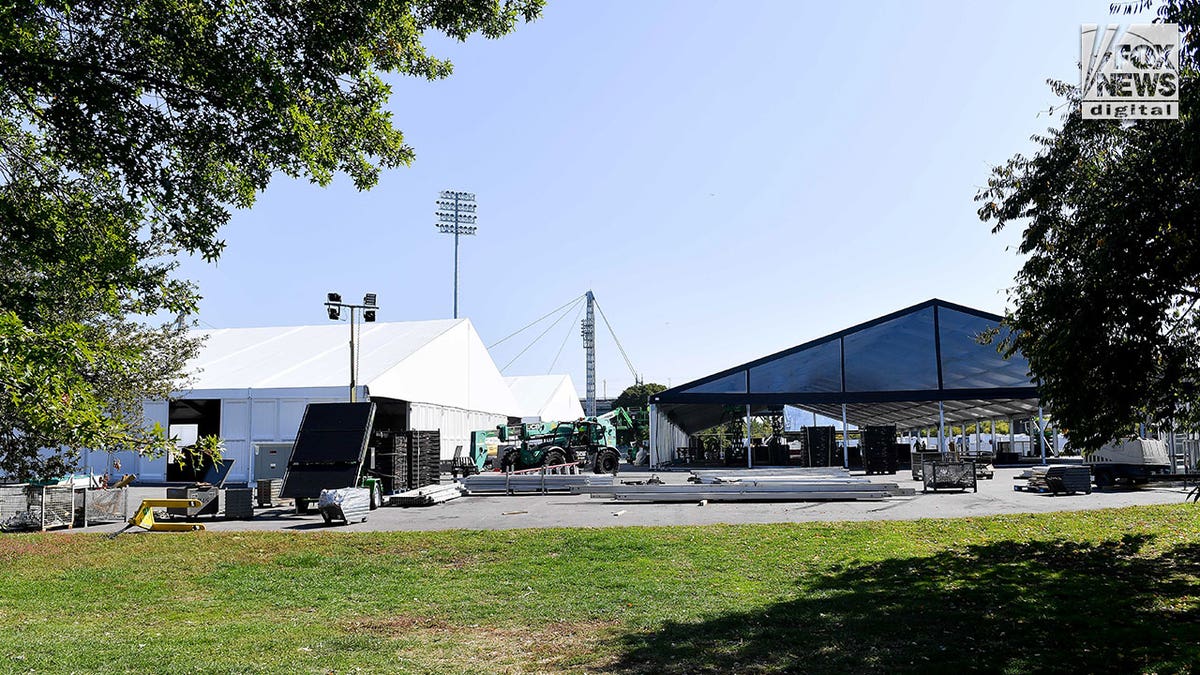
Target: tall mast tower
{"type": "Point", "coordinates": [588, 329]}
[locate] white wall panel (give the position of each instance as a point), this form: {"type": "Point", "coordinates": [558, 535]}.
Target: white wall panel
{"type": "Point", "coordinates": [235, 431]}
{"type": "Point", "coordinates": [290, 413]}
{"type": "Point", "coordinates": [265, 420]}
{"type": "Point", "coordinates": [455, 424]}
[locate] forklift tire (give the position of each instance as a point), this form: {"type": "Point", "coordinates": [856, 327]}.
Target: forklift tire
{"type": "Point", "coordinates": [554, 457]}
{"type": "Point", "coordinates": [301, 507]}
{"type": "Point", "coordinates": [607, 461]}
{"type": "Point", "coordinates": [508, 461]}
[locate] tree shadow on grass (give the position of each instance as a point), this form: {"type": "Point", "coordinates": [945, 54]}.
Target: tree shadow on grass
{"type": "Point", "coordinates": [1054, 606]}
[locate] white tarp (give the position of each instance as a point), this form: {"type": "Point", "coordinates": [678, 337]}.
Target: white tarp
{"type": "Point", "coordinates": [665, 438]}
{"type": "Point", "coordinates": [550, 397]}
{"type": "Point", "coordinates": [439, 362]}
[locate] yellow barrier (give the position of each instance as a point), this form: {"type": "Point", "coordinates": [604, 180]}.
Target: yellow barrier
{"type": "Point", "coordinates": [144, 518]}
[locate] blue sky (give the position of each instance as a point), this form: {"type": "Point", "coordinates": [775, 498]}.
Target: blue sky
{"type": "Point", "coordinates": [729, 178]}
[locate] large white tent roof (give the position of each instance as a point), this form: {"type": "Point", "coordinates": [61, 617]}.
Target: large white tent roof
{"type": "Point", "coordinates": [550, 397]}
{"type": "Point", "coordinates": [441, 362]}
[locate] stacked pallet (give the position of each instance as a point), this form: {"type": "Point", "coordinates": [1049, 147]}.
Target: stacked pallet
{"type": "Point", "coordinates": [425, 457]}
{"type": "Point", "coordinates": [391, 463]}
{"type": "Point", "coordinates": [411, 460]}
{"type": "Point", "coordinates": [819, 448]}
{"type": "Point", "coordinates": [427, 496]}
{"type": "Point", "coordinates": [878, 455]}
{"type": "Point", "coordinates": [512, 483]}
{"type": "Point", "coordinates": [268, 491]}
{"type": "Point", "coordinates": [239, 503]}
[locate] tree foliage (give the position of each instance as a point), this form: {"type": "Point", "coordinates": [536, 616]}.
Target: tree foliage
{"type": "Point", "coordinates": [1104, 306]}
{"type": "Point", "coordinates": [638, 395]}
{"type": "Point", "coordinates": [129, 131]}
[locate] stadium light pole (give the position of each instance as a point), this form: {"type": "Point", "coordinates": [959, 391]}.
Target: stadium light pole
{"type": "Point", "coordinates": [334, 307]}
{"type": "Point", "coordinates": [456, 215]}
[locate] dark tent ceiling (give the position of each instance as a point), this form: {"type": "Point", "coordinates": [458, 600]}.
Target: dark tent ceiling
{"type": "Point", "coordinates": [890, 370]}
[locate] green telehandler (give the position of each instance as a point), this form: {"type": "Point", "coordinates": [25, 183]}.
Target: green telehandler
{"type": "Point", "coordinates": [591, 442]}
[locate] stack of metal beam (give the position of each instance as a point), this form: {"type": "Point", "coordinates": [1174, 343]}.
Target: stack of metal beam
{"type": "Point", "coordinates": [427, 496]}
{"type": "Point", "coordinates": [1058, 478]}
{"type": "Point", "coordinates": [826, 484]}
{"type": "Point", "coordinates": [777, 473]}
{"type": "Point", "coordinates": [511, 483]}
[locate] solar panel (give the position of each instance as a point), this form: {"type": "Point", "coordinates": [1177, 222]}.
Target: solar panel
{"type": "Point", "coordinates": [329, 448]}
{"type": "Point", "coordinates": [333, 432]}
{"type": "Point", "coordinates": [306, 482]}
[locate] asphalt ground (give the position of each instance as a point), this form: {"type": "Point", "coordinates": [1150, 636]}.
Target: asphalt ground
{"type": "Point", "coordinates": [495, 512]}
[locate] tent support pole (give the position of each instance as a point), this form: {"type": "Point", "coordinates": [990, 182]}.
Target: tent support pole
{"type": "Point", "coordinates": [652, 418]}
{"type": "Point", "coordinates": [845, 440]}
{"type": "Point", "coordinates": [941, 427]}
{"type": "Point", "coordinates": [1041, 428]}
{"type": "Point", "coordinates": [749, 450]}
{"type": "Point", "coordinates": [353, 397]}
{"type": "Point", "coordinates": [1012, 438]}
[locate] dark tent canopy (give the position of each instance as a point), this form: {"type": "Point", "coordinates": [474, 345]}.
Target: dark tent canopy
{"type": "Point", "coordinates": [890, 370]}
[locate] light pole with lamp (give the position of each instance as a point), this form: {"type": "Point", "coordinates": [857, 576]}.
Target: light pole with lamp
{"type": "Point", "coordinates": [456, 215]}
{"type": "Point", "coordinates": [334, 306]}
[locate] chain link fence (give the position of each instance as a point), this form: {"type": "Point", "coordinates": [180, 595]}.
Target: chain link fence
{"type": "Point", "coordinates": [26, 507]}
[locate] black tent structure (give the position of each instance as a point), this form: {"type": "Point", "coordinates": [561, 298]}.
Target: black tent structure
{"type": "Point", "coordinates": [920, 366]}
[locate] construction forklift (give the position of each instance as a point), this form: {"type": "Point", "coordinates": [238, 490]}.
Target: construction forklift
{"type": "Point", "coordinates": [583, 441]}
{"type": "Point", "coordinates": [591, 441]}
{"type": "Point", "coordinates": [588, 442]}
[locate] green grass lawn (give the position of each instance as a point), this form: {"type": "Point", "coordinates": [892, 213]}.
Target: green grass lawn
{"type": "Point", "coordinates": [1115, 590]}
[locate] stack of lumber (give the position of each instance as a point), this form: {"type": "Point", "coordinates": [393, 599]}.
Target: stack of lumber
{"type": "Point", "coordinates": [510, 483]}
{"type": "Point", "coordinates": [427, 496]}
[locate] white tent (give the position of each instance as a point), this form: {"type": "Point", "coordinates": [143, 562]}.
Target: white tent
{"type": "Point", "coordinates": [548, 397]}
{"type": "Point", "coordinates": [257, 382]}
